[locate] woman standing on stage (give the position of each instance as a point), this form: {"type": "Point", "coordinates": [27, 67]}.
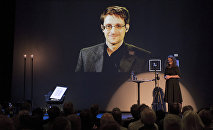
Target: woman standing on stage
{"type": "Point", "coordinates": [172, 75]}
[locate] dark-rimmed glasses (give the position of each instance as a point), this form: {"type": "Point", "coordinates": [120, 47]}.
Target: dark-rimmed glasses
{"type": "Point", "coordinates": [109, 26]}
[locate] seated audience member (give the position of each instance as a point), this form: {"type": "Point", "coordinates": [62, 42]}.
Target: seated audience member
{"type": "Point", "coordinates": [137, 124]}
{"type": "Point", "coordinates": [110, 125]}
{"type": "Point", "coordinates": [172, 122]}
{"type": "Point", "coordinates": [26, 106]}
{"type": "Point", "coordinates": [37, 119]}
{"type": "Point", "coordinates": [106, 117]}
{"type": "Point", "coordinates": [1, 112]}
{"type": "Point", "coordinates": [160, 114]}
{"type": "Point", "coordinates": [61, 123]}
{"type": "Point", "coordinates": [117, 115]}
{"type": "Point", "coordinates": [6, 123]}
{"type": "Point", "coordinates": [192, 121]}
{"type": "Point", "coordinates": [187, 108]}
{"type": "Point", "coordinates": [25, 122]}
{"type": "Point", "coordinates": [38, 112]}
{"type": "Point", "coordinates": [68, 108]}
{"type": "Point", "coordinates": [148, 118]}
{"type": "Point", "coordinates": [53, 112]}
{"type": "Point", "coordinates": [17, 118]}
{"type": "Point", "coordinates": [207, 118]}
{"type": "Point", "coordinates": [75, 121]}
{"type": "Point", "coordinates": [211, 125]}
{"type": "Point", "coordinates": [134, 113]}
{"type": "Point", "coordinates": [86, 123]}
{"type": "Point", "coordinates": [94, 110]}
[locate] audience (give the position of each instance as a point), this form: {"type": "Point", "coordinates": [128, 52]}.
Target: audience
{"type": "Point", "coordinates": [160, 114]}
{"type": "Point", "coordinates": [110, 125]}
{"type": "Point", "coordinates": [117, 115]}
{"type": "Point", "coordinates": [61, 123]}
{"type": "Point", "coordinates": [53, 112]}
{"type": "Point", "coordinates": [68, 108]}
{"type": "Point", "coordinates": [106, 117]}
{"type": "Point", "coordinates": [134, 113]}
{"type": "Point", "coordinates": [26, 106]}
{"type": "Point", "coordinates": [137, 124]}
{"type": "Point", "coordinates": [20, 118]}
{"type": "Point", "coordinates": [37, 119]}
{"type": "Point", "coordinates": [86, 122]}
{"type": "Point", "coordinates": [6, 123]}
{"type": "Point", "coordinates": [192, 121]}
{"type": "Point", "coordinates": [75, 121]}
{"type": "Point", "coordinates": [148, 118]}
{"type": "Point", "coordinates": [172, 122]}
{"type": "Point", "coordinates": [1, 112]}
{"type": "Point", "coordinates": [143, 118]}
{"type": "Point", "coordinates": [187, 108]}
{"type": "Point", "coordinates": [94, 111]}
{"type": "Point", "coordinates": [206, 116]}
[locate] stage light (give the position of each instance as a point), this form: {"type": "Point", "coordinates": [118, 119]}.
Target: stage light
{"type": "Point", "coordinates": [126, 94]}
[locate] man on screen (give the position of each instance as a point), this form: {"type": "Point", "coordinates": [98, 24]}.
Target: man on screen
{"type": "Point", "coordinates": [111, 56]}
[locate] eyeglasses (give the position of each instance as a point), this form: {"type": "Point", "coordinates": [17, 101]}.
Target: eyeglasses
{"type": "Point", "coordinates": [109, 26]}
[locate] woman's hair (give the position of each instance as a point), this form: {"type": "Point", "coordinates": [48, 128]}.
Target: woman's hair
{"type": "Point", "coordinates": [192, 121]}
{"type": "Point", "coordinates": [174, 64]}
{"type": "Point", "coordinates": [118, 11]}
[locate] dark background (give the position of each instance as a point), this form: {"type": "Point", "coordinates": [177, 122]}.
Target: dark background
{"type": "Point", "coordinates": [55, 30]}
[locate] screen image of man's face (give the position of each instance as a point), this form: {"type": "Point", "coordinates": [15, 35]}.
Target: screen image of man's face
{"type": "Point", "coordinates": [116, 33]}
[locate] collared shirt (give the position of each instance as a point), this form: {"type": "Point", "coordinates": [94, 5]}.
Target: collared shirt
{"type": "Point", "coordinates": [112, 63]}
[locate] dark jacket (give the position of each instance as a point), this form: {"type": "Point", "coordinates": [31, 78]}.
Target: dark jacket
{"type": "Point", "coordinates": [91, 60]}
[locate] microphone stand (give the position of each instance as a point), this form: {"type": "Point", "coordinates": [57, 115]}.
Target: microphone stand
{"type": "Point", "coordinates": [157, 94]}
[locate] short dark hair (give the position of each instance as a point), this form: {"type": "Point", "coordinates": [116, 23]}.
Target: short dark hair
{"type": "Point", "coordinates": [68, 108]}
{"type": "Point", "coordinates": [54, 112]}
{"type": "Point", "coordinates": [117, 115]}
{"type": "Point", "coordinates": [118, 11]}
{"type": "Point", "coordinates": [134, 111]}
{"type": "Point", "coordinates": [148, 116]}
{"type": "Point", "coordinates": [187, 108]}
